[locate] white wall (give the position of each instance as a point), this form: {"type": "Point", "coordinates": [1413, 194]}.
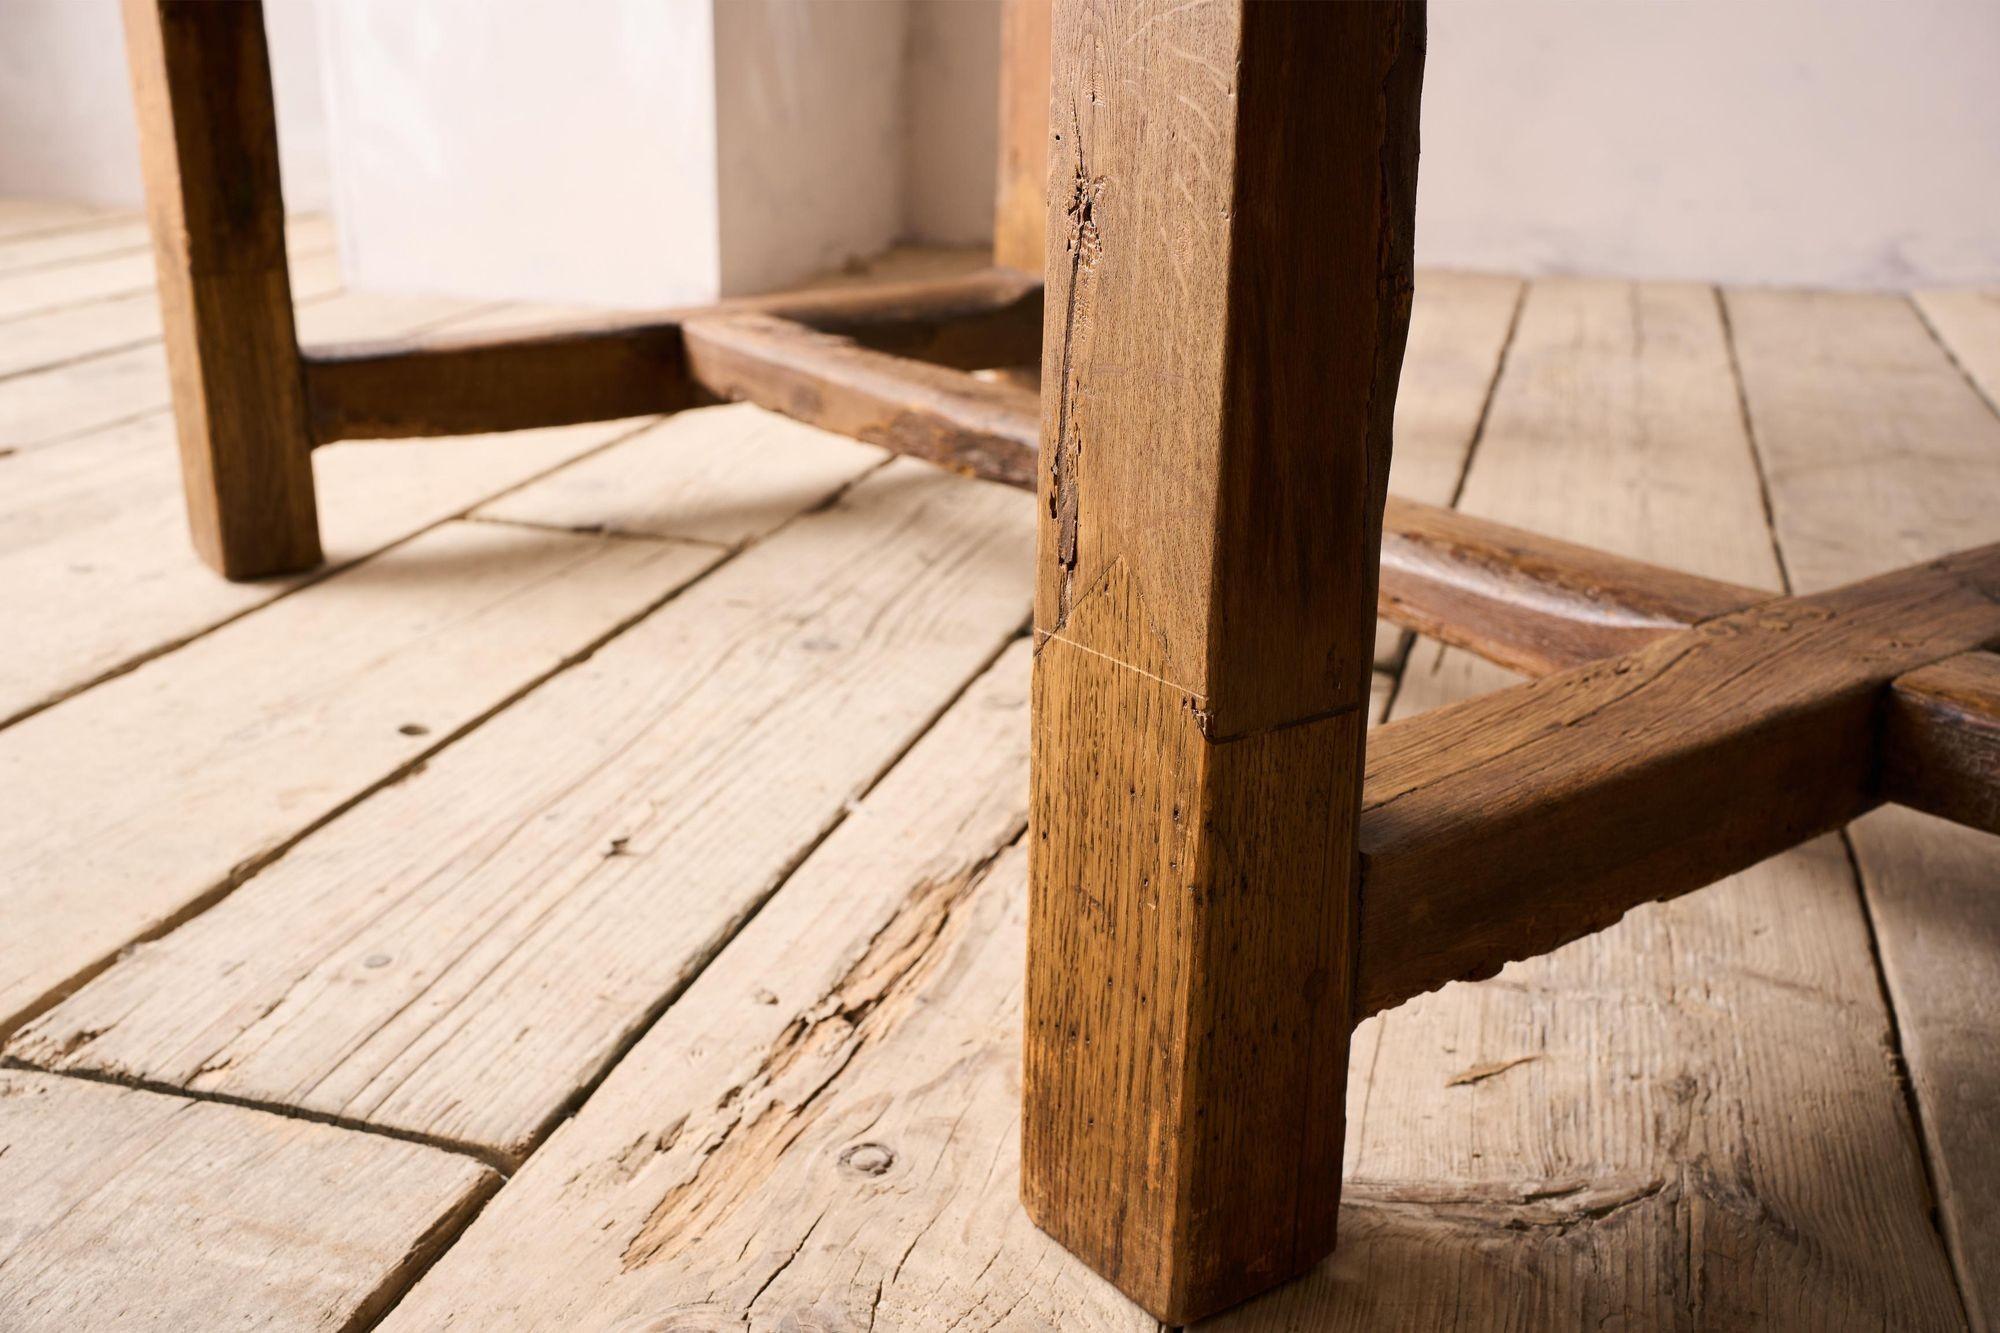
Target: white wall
{"type": "Point", "coordinates": [809, 129]}
{"type": "Point", "coordinates": [66, 129]}
{"type": "Point", "coordinates": [543, 149]}
{"type": "Point", "coordinates": [521, 148]}
{"type": "Point", "coordinates": [1825, 142]}
{"type": "Point", "coordinates": [951, 120]}
{"type": "Point", "coordinates": [615, 152]}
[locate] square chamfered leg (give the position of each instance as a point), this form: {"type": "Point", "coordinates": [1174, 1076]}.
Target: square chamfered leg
{"type": "Point", "coordinates": [1228, 287]}
{"type": "Point", "coordinates": [201, 82]}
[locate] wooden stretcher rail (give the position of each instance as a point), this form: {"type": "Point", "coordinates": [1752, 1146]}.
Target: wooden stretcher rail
{"type": "Point", "coordinates": [1505, 826]}
{"type": "Point", "coordinates": [1685, 729]}
{"type": "Point", "coordinates": [978, 427]}
{"type": "Point", "coordinates": [521, 379]}
{"type": "Point", "coordinates": [1517, 598]}
{"type": "Point", "coordinates": [1941, 741]}
{"type": "Point", "coordinates": [1529, 602]}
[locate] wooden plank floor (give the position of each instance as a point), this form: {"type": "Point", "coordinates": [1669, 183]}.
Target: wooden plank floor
{"type": "Point", "coordinates": [594, 900]}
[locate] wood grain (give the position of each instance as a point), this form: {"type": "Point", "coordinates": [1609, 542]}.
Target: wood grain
{"type": "Point", "coordinates": [1879, 451]}
{"type": "Point", "coordinates": [39, 217]}
{"type": "Point", "coordinates": [1967, 322]}
{"type": "Point", "coordinates": [1502, 827]}
{"type": "Point", "coordinates": [1930, 890]}
{"type": "Point", "coordinates": [1460, 324]}
{"type": "Point", "coordinates": [1858, 413]}
{"type": "Point", "coordinates": [535, 896]}
{"type": "Point", "coordinates": [1689, 1119]}
{"type": "Point", "coordinates": [975, 427]}
{"type": "Point", "coordinates": [92, 534]}
{"type": "Point", "coordinates": [150, 796]}
{"type": "Point", "coordinates": [1525, 601]}
{"type": "Point", "coordinates": [821, 1132]}
{"type": "Point", "coordinates": [132, 1210]}
{"type": "Point", "coordinates": [590, 371]}
{"type": "Point", "coordinates": [1528, 602]}
{"type": "Point", "coordinates": [1215, 446]}
{"type": "Point", "coordinates": [32, 292]}
{"type": "Point", "coordinates": [116, 236]}
{"type": "Point", "coordinates": [64, 397]}
{"type": "Point", "coordinates": [727, 475]}
{"type": "Point", "coordinates": [201, 82]}
{"type": "Point", "coordinates": [1941, 740]}
{"type": "Point", "coordinates": [1021, 201]}
{"type": "Point", "coordinates": [100, 328]}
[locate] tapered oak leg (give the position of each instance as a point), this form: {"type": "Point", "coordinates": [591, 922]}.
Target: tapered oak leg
{"type": "Point", "coordinates": [1228, 294]}
{"type": "Point", "coordinates": [201, 81]}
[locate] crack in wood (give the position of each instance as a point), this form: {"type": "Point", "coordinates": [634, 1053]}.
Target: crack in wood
{"type": "Point", "coordinates": [757, 1121]}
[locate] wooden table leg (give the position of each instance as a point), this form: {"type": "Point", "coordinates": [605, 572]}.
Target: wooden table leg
{"type": "Point", "coordinates": [1229, 276]}
{"type": "Point", "coordinates": [1021, 200]}
{"type": "Point", "coordinates": [201, 81]}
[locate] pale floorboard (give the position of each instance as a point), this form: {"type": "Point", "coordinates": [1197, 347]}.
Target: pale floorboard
{"type": "Point", "coordinates": [69, 400]}
{"type": "Point", "coordinates": [93, 535]}
{"type": "Point", "coordinates": [1967, 322]}
{"type": "Point", "coordinates": [1459, 327]}
{"type": "Point", "coordinates": [118, 323]}
{"type": "Point", "coordinates": [123, 1209]}
{"type": "Point", "coordinates": [545, 885]}
{"type": "Point", "coordinates": [718, 474]}
{"type": "Point", "coordinates": [40, 217]}
{"type": "Point", "coordinates": [119, 237]}
{"type": "Point", "coordinates": [1854, 405]}
{"type": "Point", "coordinates": [115, 323]}
{"type": "Point", "coordinates": [138, 801]}
{"type": "Point", "coordinates": [1687, 1119]}
{"type": "Point", "coordinates": [822, 1133]}
{"type": "Point", "coordinates": [102, 575]}
{"type": "Point", "coordinates": [30, 291]}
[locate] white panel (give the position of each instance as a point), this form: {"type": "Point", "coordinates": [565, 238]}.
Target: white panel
{"type": "Point", "coordinates": [809, 116]}
{"type": "Point", "coordinates": [66, 128]}
{"type": "Point", "coordinates": [1848, 142]}
{"type": "Point", "coordinates": [522, 149]}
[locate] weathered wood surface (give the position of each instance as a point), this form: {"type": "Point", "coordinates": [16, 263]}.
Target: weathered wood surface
{"type": "Point", "coordinates": [1215, 454]}
{"type": "Point", "coordinates": [1458, 330]}
{"type": "Point", "coordinates": [535, 896]}
{"type": "Point", "coordinates": [139, 802]}
{"type": "Point", "coordinates": [130, 1210]}
{"type": "Point", "coordinates": [1021, 196]}
{"type": "Point", "coordinates": [1504, 826]}
{"type": "Point", "coordinates": [116, 236]}
{"type": "Point", "coordinates": [1941, 741]}
{"type": "Point", "coordinates": [208, 144]}
{"type": "Point", "coordinates": [585, 371]}
{"type": "Point", "coordinates": [1967, 322]}
{"type": "Point", "coordinates": [822, 1131]}
{"type": "Point", "coordinates": [980, 428]}
{"type": "Point", "coordinates": [1688, 1118]}
{"type": "Point", "coordinates": [1931, 888]}
{"type": "Point", "coordinates": [1883, 453]}
{"type": "Point", "coordinates": [93, 541]}
{"type": "Point", "coordinates": [715, 474]}
{"type": "Point", "coordinates": [1528, 602]}
{"type": "Point", "coordinates": [1879, 452]}
{"type": "Point", "coordinates": [93, 388]}
{"type": "Point", "coordinates": [70, 400]}
{"type": "Point", "coordinates": [1460, 325]}
{"type": "Point", "coordinates": [74, 333]}
{"type": "Point", "coordinates": [40, 217]}
{"type": "Point", "coordinates": [34, 289]}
